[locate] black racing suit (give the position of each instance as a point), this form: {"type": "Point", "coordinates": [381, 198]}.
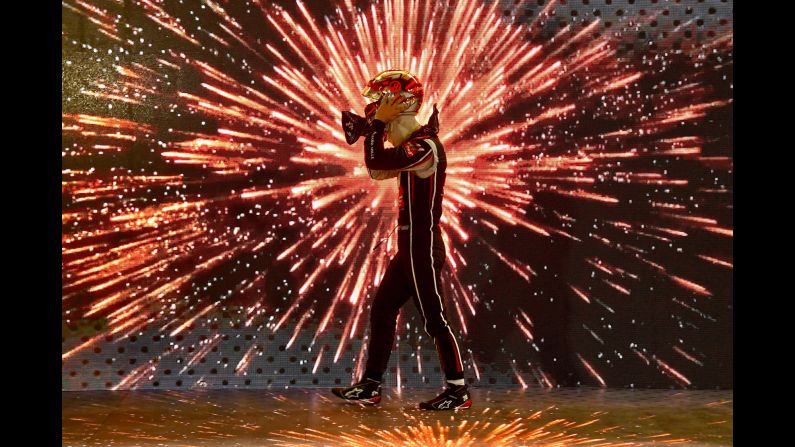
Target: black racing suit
{"type": "Point", "coordinates": [415, 271]}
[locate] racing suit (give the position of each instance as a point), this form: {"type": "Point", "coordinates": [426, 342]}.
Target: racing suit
{"type": "Point", "coordinates": [419, 164]}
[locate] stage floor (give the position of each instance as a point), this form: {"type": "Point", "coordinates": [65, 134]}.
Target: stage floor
{"type": "Point", "coordinates": [314, 417]}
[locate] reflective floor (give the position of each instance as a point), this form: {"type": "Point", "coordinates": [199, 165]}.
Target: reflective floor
{"type": "Point", "coordinates": [314, 417]}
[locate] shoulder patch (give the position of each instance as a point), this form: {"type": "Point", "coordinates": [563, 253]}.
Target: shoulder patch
{"type": "Point", "coordinates": [412, 148]}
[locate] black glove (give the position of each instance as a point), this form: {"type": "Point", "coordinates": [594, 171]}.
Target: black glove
{"type": "Point", "coordinates": [355, 126]}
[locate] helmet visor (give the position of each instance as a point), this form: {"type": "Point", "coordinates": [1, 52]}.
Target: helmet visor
{"type": "Point", "coordinates": [371, 93]}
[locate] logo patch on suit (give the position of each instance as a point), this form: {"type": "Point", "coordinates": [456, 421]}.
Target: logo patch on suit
{"type": "Point", "coordinates": [412, 148]}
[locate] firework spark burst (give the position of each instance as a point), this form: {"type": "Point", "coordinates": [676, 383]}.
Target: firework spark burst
{"type": "Point", "coordinates": [523, 430]}
{"type": "Point", "coordinates": [228, 179]}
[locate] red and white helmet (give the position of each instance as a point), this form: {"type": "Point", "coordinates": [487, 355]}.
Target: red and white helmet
{"type": "Point", "coordinates": [384, 85]}
{"type": "Point", "coordinates": [391, 83]}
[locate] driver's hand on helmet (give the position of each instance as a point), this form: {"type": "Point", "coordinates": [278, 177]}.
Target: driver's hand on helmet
{"type": "Point", "coordinates": [390, 108]}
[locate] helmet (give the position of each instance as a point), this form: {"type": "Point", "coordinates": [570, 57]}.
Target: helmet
{"type": "Point", "coordinates": [384, 85]}
{"type": "Point", "coordinates": [391, 83]}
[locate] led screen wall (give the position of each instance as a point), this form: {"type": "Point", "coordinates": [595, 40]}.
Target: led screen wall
{"type": "Point", "coordinates": [218, 231]}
